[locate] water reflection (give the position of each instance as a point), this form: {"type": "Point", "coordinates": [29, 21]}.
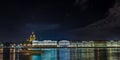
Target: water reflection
{"type": "Point", "coordinates": [36, 57]}
{"type": "Point", "coordinates": [48, 54]}
{"type": "Point", "coordinates": [62, 54]}
{"type": "Point", "coordinates": [6, 54]}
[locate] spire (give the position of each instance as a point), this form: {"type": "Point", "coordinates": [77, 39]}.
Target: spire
{"type": "Point", "coordinates": [32, 32]}
{"type": "Point", "coordinates": [32, 37]}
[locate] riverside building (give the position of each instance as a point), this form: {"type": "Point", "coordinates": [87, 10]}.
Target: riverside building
{"type": "Point", "coordinates": [80, 50]}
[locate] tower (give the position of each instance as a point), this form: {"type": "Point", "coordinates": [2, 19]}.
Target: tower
{"type": "Point", "coordinates": [32, 37]}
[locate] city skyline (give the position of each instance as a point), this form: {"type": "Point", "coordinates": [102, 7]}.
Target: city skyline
{"type": "Point", "coordinates": [60, 30]}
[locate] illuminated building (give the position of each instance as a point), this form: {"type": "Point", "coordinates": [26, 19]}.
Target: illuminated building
{"type": "Point", "coordinates": [45, 43]}
{"type": "Point", "coordinates": [73, 44]}
{"type": "Point", "coordinates": [64, 43]}
{"type": "Point", "coordinates": [32, 37]}
{"type": "Point", "coordinates": [79, 50]}
{"type": "Point", "coordinates": [76, 50]}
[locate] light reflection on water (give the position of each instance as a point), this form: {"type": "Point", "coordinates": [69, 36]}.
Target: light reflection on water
{"type": "Point", "coordinates": [64, 54]}
{"type": "Point", "coordinates": [36, 57]}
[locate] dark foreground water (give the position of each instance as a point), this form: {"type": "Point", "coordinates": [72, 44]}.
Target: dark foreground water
{"type": "Point", "coordinates": [63, 54]}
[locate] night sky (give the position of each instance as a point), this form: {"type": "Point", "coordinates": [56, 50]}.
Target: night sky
{"type": "Point", "coordinates": [49, 19]}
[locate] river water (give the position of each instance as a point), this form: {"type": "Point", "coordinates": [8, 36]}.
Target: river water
{"type": "Point", "coordinates": [63, 54]}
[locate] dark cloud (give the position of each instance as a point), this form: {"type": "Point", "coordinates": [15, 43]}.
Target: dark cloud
{"type": "Point", "coordinates": [48, 17]}
{"type": "Point", "coordinates": [108, 28]}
